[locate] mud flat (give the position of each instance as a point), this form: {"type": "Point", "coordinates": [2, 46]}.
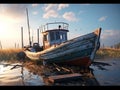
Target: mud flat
{"type": "Point", "coordinates": [87, 78]}
{"type": "Point", "coordinates": [102, 72]}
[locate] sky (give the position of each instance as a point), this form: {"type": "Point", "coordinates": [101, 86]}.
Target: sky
{"type": "Point", "coordinates": [82, 19]}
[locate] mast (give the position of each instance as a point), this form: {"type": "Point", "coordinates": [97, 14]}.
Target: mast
{"type": "Point", "coordinates": [28, 27]}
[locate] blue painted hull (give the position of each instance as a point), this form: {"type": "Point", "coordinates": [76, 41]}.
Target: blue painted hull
{"type": "Point", "coordinates": [77, 51]}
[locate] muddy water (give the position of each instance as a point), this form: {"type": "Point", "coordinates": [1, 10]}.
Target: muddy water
{"type": "Point", "coordinates": [18, 76]}
{"type": "Point", "coordinates": [107, 71]}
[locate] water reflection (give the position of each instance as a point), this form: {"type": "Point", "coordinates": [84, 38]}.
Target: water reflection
{"type": "Point", "coordinates": [16, 75]}
{"type": "Point", "coordinates": [107, 72]}
{"type": "Point", "coordinates": [101, 65]}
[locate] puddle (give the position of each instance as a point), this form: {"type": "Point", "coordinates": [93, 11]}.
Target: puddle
{"type": "Point", "coordinates": [107, 72]}
{"type": "Point", "coordinates": [18, 76]}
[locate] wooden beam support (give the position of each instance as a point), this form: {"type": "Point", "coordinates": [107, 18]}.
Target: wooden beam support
{"type": "Point", "coordinates": [65, 77]}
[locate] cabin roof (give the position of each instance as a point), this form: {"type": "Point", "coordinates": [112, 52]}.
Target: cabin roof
{"type": "Point", "coordinates": [56, 30]}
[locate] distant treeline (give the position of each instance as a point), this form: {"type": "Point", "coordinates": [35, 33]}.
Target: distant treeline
{"type": "Point", "coordinates": [117, 46]}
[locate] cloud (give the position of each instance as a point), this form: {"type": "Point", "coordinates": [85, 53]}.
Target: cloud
{"type": "Point", "coordinates": [51, 10]}
{"type": "Point", "coordinates": [70, 16]}
{"type": "Point", "coordinates": [102, 18]}
{"type": "Point", "coordinates": [110, 37]}
{"type": "Point", "coordinates": [13, 11]}
{"type": "Point", "coordinates": [48, 7]}
{"type": "Point", "coordinates": [50, 13]}
{"type": "Point", "coordinates": [35, 13]}
{"type": "Point", "coordinates": [110, 33]}
{"type": "Point", "coordinates": [61, 6]}
{"type": "Point", "coordinates": [34, 5]}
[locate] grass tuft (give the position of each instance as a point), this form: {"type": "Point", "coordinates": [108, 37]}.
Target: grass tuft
{"type": "Point", "coordinates": [9, 54]}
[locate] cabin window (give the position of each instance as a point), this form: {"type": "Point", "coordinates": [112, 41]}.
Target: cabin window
{"type": "Point", "coordinates": [52, 36]}
{"type": "Point", "coordinates": [45, 37]}
{"type": "Point", "coordinates": [57, 36]}
{"type": "Point", "coordinates": [63, 36]}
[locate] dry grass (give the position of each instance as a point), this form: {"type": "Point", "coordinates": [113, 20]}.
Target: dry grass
{"type": "Point", "coordinates": [108, 53]}
{"type": "Point", "coordinates": [9, 54]}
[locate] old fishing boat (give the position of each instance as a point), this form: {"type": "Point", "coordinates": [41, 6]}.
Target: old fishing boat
{"type": "Point", "coordinates": [58, 49]}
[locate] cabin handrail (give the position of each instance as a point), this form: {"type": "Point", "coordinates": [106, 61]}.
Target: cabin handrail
{"type": "Point", "coordinates": [57, 23]}
{"type": "Point", "coordinates": [62, 25]}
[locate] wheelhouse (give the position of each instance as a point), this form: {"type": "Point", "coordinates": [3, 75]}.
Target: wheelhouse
{"type": "Point", "coordinates": [54, 34]}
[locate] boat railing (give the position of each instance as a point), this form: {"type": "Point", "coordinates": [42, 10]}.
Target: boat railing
{"type": "Point", "coordinates": [54, 26]}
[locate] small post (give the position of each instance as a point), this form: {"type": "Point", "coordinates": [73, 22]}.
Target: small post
{"type": "Point", "coordinates": [15, 45]}
{"type": "Point", "coordinates": [38, 35]}
{"type": "Point", "coordinates": [22, 36]}
{"type": "Point", "coordinates": [0, 45]}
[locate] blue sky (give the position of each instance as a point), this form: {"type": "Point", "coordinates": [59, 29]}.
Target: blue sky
{"type": "Point", "coordinates": [82, 19]}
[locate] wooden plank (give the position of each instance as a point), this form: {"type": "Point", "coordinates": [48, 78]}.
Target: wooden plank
{"type": "Point", "coordinates": [73, 46]}
{"type": "Point", "coordinates": [66, 51]}
{"type": "Point", "coordinates": [65, 77]}
{"type": "Point", "coordinates": [70, 45]}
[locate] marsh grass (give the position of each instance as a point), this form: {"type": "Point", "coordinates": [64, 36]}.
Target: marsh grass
{"type": "Point", "coordinates": [9, 54]}
{"type": "Point", "coordinates": [108, 53]}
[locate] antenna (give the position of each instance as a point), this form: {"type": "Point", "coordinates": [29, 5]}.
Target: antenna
{"type": "Point", "coordinates": [28, 27]}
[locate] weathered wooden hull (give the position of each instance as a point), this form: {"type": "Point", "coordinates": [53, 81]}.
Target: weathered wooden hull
{"type": "Point", "coordinates": [78, 51]}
